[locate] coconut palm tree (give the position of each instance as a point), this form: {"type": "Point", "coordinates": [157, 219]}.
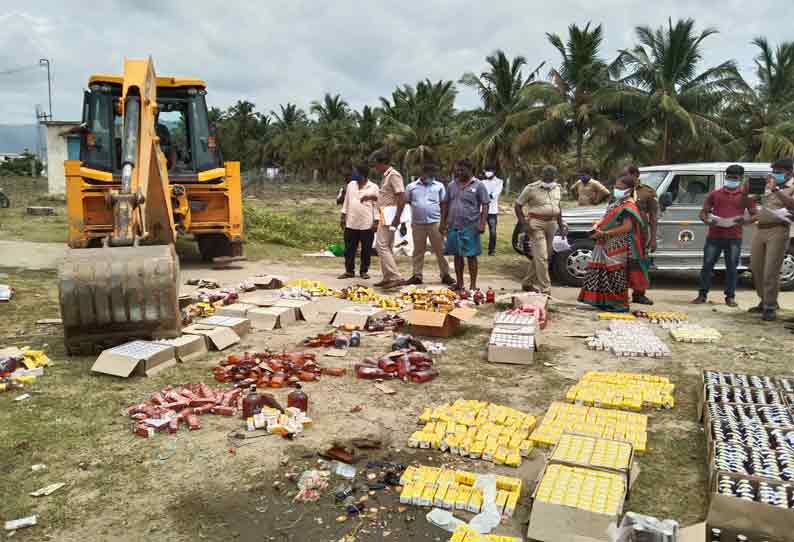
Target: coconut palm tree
{"type": "Point", "coordinates": [562, 110]}
{"type": "Point", "coordinates": [290, 134]}
{"type": "Point", "coordinates": [331, 109]}
{"type": "Point", "coordinates": [659, 79]}
{"type": "Point", "coordinates": [501, 89]}
{"type": "Point", "coordinates": [417, 120]}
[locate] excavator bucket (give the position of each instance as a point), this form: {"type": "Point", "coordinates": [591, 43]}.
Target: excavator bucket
{"type": "Point", "coordinates": [112, 295]}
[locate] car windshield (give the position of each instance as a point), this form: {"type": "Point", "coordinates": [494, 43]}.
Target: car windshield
{"type": "Point", "coordinates": [653, 178]}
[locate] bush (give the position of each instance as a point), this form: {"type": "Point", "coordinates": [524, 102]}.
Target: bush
{"type": "Point", "coordinates": [294, 229]}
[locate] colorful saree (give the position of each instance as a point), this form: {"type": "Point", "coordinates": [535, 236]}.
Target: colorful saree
{"type": "Point", "coordinates": [619, 261]}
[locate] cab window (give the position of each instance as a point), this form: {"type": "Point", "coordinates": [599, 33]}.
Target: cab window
{"type": "Point", "coordinates": [690, 190]}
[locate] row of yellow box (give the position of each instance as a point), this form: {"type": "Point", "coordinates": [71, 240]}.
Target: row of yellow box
{"type": "Point", "coordinates": [456, 497]}
{"type": "Point", "coordinates": [578, 487]}
{"type": "Point", "coordinates": [478, 413]}
{"type": "Point", "coordinates": [622, 390]}
{"type": "Point", "coordinates": [464, 533]}
{"type": "Point", "coordinates": [595, 452]}
{"type": "Point", "coordinates": [445, 477]}
{"type": "Point", "coordinates": [479, 432]}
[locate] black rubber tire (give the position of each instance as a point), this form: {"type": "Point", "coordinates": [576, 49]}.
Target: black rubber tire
{"type": "Point", "coordinates": [215, 245]}
{"type": "Point", "coordinates": [562, 268]}
{"type": "Point", "coordinates": [787, 270]}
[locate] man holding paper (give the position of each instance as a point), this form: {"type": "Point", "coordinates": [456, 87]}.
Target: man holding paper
{"type": "Point", "coordinates": [771, 240]}
{"type": "Point", "coordinates": [723, 212]}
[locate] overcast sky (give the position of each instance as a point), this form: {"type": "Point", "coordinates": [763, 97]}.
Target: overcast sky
{"type": "Point", "coordinates": [274, 51]}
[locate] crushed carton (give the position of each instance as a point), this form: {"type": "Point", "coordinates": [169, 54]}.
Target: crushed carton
{"type": "Point", "coordinates": [356, 316]}
{"type": "Point", "coordinates": [241, 326]}
{"type": "Point", "coordinates": [236, 310]}
{"type": "Point", "coordinates": [187, 347]}
{"type": "Point", "coordinates": [267, 282]}
{"type": "Point", "coordinates": [267, 318]}
{"type": "Point", "coordinates": [305, 309]}
{"type": "Point", "coordinates": [217, 336]}
{"type": "Point", "coordinates": [141, 357]}
{"type": "Point", "coordinates": [438, 324]}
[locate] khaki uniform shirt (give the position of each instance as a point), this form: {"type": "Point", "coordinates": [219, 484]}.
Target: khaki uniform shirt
{"type": "Point", "coordinates": [647, 201]}
{"type": "Point", "coordinates": [590, 193]}
{"type": "Point", "coordinates": [770, 202]}
{"type": "Point", "coordinates": [392, 185]}
{"type": "Point", "coordinates": [539, 200]}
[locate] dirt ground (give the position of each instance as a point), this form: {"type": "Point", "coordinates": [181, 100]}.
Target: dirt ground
{"type": "Point", "coordinates": [198, 486]}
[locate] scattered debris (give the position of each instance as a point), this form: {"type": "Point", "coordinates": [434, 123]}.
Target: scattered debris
{"type": "Point", "coordinates": [49, 322]}
{"type": "Point", "coordinates": [41, 211]}
{"type": "Point", "coordinates": [434, 347]}
{"type": "Point", "coordinates": [38, 467]}
{"type": "Point", "coordinates": [47, 490]}
{"type": "Point", "coordinates": [385, 389]}
{"type": "Point", "coordinates": [344, 470]}
{"type": "Point", "coordinates": [204, 283]}
{"type": "Point", "coordinates": [14, 524]}
{"type": "Point", "coordinates": [22, 397]}
{"type": "Point", "coordinates": [310, 484]}
{"type": "Point", "coordinates": [406, 364]}
{"type": "Point", "coordinates": [266, 369]}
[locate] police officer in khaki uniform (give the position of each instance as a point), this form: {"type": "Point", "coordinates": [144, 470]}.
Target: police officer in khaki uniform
{"type": "Point", "coordinates": [542, 220]}
{"type": "Point", "coordinates": [771, 238]}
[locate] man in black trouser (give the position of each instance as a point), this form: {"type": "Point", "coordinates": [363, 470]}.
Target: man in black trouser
{"type": "Point", "coordinates": [494, 186]}
{"type": "Point", "coordinates": [359, 221]}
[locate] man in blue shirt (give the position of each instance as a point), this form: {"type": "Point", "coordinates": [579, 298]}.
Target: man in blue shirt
{"type": "Point", "coordinates": [427, 196]}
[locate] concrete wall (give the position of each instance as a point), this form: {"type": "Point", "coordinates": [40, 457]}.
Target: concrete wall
{"type": "Point", "coordinates": [57, 153]}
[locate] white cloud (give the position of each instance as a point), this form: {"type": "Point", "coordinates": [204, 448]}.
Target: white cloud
{"type": "Point", "coordinates": [278, 51]}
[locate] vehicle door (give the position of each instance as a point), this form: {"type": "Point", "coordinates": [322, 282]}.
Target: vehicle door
{"type": "Point", "coordinates": [681, 234]}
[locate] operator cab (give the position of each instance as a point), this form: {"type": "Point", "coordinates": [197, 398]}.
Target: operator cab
{"type": "Point", "coordinates": [182, 125]}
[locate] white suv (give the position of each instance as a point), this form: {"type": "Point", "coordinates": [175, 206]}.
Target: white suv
{"type": "Point", "coordinates": [682, 189]}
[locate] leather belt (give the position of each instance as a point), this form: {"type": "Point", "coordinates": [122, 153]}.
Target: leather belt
{"type": "Point", "coordinates": [544, 218]}
{"type": "Point", "coordinates": [773, 225]}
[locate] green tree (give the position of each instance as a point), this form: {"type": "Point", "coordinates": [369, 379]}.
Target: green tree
{"type": "Point", "coordinates": [501, 89]}
{"type": "Point", "coordinates": [290, 128]}
{"type": "Point", "coordinates": [331, 141]}
{"type": "Point", "coordinates": [367, 134]}
{"type": "Point", "coordinates": [562, 111]}
{"type": "Point", "coordinates": [417, 120]}
{"type": "Point", "coordinates": [660, 84]}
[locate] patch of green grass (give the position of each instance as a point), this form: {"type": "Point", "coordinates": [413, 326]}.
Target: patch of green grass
{"type": "Point", "coordinates": [301, 229]}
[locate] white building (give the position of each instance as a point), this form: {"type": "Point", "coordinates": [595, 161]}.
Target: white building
{"type": "Point", "coordinates": [63, 143]}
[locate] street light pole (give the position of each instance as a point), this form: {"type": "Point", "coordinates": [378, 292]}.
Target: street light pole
{"type": "Point", "coordinates": [42, 62]}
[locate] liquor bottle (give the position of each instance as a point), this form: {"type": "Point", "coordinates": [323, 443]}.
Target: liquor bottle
{"type": "Point", "coordinates": [298, 399]}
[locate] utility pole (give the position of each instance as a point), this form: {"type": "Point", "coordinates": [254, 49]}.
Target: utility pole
{"type": "Point", "coordinates": [46, 62]}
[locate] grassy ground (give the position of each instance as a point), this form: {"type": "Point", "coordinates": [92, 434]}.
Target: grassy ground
{"type": "Point", "coordinates": [16, 224]}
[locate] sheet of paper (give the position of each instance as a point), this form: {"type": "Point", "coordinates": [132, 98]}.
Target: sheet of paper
{"type": "Point", "coordinates": [723, 222]}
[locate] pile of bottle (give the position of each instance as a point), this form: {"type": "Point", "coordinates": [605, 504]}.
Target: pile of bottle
{"type": "Point", "coordinates": [752, 435]}
{"type": "Point", "coordinates": [456, 490]}
{"type": "Point", "coordinates": [592, 452]}
{"type": "Point", "coordinates": [738, 380]}
{"type": "Point", "coordinates": [727, 394]}
{"type": "Point", "coordinates": [464, 533]}
{"type": "Point", "coordinates": [628, 338]}
{"type": "Point", "coordinates": [591, 421]}
{"type": "Point", "coordinates": [764, 462]}
{"type": "Point", "coordinates": [776, 416]}
{"type": "Point", "coordinates": [170, 408]}
{"type": "Point", "coordinates": [426, 299]}
{"type": "Point", "coordinates": [21, 367]}
{"type": "Point", "coordinates": [334, 339]}
{"type": "Point", "coordinates": [694, 333]}
{"type": "Point", "coordinates": [262, 411]}
{"type": "Point", "coordinates": [622, 390]}
{"type": "Point", "coordinates": [389, 322]}
{"type": "Point", "coordinates": [478, 430]}
{"type": "Point", "coordinates": [763, 492]}
{"type": "Point", "coordinates": [406, 364]}
{"type": "Point", "coordinates": [596, 491]}
{"type": "Point", "coordinates": [665, 318]}
{"type": "Point", "coordinates": [272, 370]}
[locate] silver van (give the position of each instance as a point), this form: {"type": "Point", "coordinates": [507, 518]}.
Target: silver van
{"type": "Point", "coordinates": [682, 190]}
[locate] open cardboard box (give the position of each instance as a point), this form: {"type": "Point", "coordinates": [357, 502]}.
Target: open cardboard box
{"type": "Point", "coordinates": [438, 324]}
{"type": "Point", "coordinates": [305, 309]}
{"type": "Point", "coordinates": [187, 347]}
{"type": "Point", "coordinates": [268, 282]}
{"type": "Point", "coordinates": [240, 326]}
{"type": "Point", "coordinates": [268, 318]}
{"type": "Point", "coordinates": [140, 357]}
{"type": "Point", "coordinates": [218, 337]}
{"type": "Point", "coordinates": [356, 316]}
{"type": "Point", "coordinates": [559, 523]}
{"type": "Point", "coordinates": [260, 298]}
{"type": "Point", "coordinates": [235, 310]}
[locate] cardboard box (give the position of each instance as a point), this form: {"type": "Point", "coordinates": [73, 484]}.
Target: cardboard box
{"type": "Point", "coordinates": [305, 309]}
{"type": "Point", "coordinates": [217, 336]}
{"type": "Point", "coordinates": [240, 326]}
{"type": "Point", "coordinates": [524, 324]}
{"type": "Point", "coordinates": [505, 346]}
{"type": "Point", "coordinates": [236, 310]}
{"type": "Point", "coordinates": [271, 317]}
{"type": "Point", "coordinates": [755, 520]}
{"type": "Point", "coordinates": [187, 347]}
{"type": "Point", "coordinates": [630, 474]}
{"type": "Point", "coordinates": [559, 523]}
{"type": "Point", "coordinates": [356, 316]}
{"type": "Point", "coordinates": [437, 324]}
{"type": "Point", "coordinates": [261, 298]}
{"type": "Point", "coordinates": [141, 357]}
{"type": "Point", "coordinates": [268, 282]}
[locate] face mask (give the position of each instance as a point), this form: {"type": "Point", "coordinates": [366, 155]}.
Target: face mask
{"type": "Point", "coordinates": [488, 174]}
{"type": "Point", "coordinates": [584, 178]}
{"type": "Point", "coordinates": [618, 193]}
{"type": "Point", "coordinates": [732, 184]}
{"type": "Point", "coordinates": [355, 177]}
{"type": "Point", "coordinates": [548, 185]}
{"type": "Point", "coordinates": [780, 178]}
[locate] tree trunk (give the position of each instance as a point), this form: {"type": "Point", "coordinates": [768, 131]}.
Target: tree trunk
{"type": "Point", "coordinates": [579, 144]}
{"type": "Point", "coordinates": [666, 142]}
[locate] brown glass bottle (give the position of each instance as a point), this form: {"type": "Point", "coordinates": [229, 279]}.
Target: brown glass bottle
{"type": "Point", "coordinates": [251, 404]}
{"type": "Point", "coordinates": [298, 399]}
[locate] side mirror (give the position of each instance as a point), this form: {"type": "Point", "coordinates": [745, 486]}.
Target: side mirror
{"type": "Point", "coordinates": [666, 200]}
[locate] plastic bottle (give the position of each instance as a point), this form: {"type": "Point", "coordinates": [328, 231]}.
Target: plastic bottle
{"type": "Point", "coordinates": [387, 364]}
{"type": "Point", "coordinates": [298, 399]}
{"type": "Point", "coordinates": [368, 372]}
{"type": "Point", "coordinates": [424, 375]}
{"type": "Point", "coordinates": [355, 339]}
{"type": "Point", "coordinates": [251, 404]}
{"type": "Point", "coordinates": [278, 380]}
{"type": "Point", "coordinates": [479, 298]}
{"type": "Point", "coordinates": [342, 341]}
{"type": "Point", "coordinates": [490, 295]}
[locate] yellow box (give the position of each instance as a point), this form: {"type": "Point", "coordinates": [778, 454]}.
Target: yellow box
{"type": "Point", "coordinates": [462, 498]}
{"type": "Point", "coordinates": [475, 501]}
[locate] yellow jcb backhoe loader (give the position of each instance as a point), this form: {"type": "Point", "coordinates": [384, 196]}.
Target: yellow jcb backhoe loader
{"type": "Point", "coordinates": [149, 170]}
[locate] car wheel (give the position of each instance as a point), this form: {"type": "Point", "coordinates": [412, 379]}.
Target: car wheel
{"type": "Point", "coordinates": [570, 266]}
{"type": "Point", "coordinates": [787, 271]}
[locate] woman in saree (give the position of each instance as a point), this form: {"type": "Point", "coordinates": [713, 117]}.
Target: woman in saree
{"type": "Point", "coordinates": [619, 261]}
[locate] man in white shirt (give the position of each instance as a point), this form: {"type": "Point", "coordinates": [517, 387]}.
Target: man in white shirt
{"type": "Point", "coordinates": [494, 186]}
{"type": "Point", "coordinates": [359, 221]}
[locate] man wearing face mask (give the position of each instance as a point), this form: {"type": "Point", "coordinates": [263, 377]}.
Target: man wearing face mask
{"type": "Point", "coordinates": [771, 238]}
{"type": "Point", "coordinates": [542, 199]}
{"type": "Point", "coordinates": [427, 196]}
{"type": "Point", "coordinates": [723, 212]}
{"type": "Point", "coordinates": [494, 186]}
{"type": "Point", "coordinates": [589, 191]}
